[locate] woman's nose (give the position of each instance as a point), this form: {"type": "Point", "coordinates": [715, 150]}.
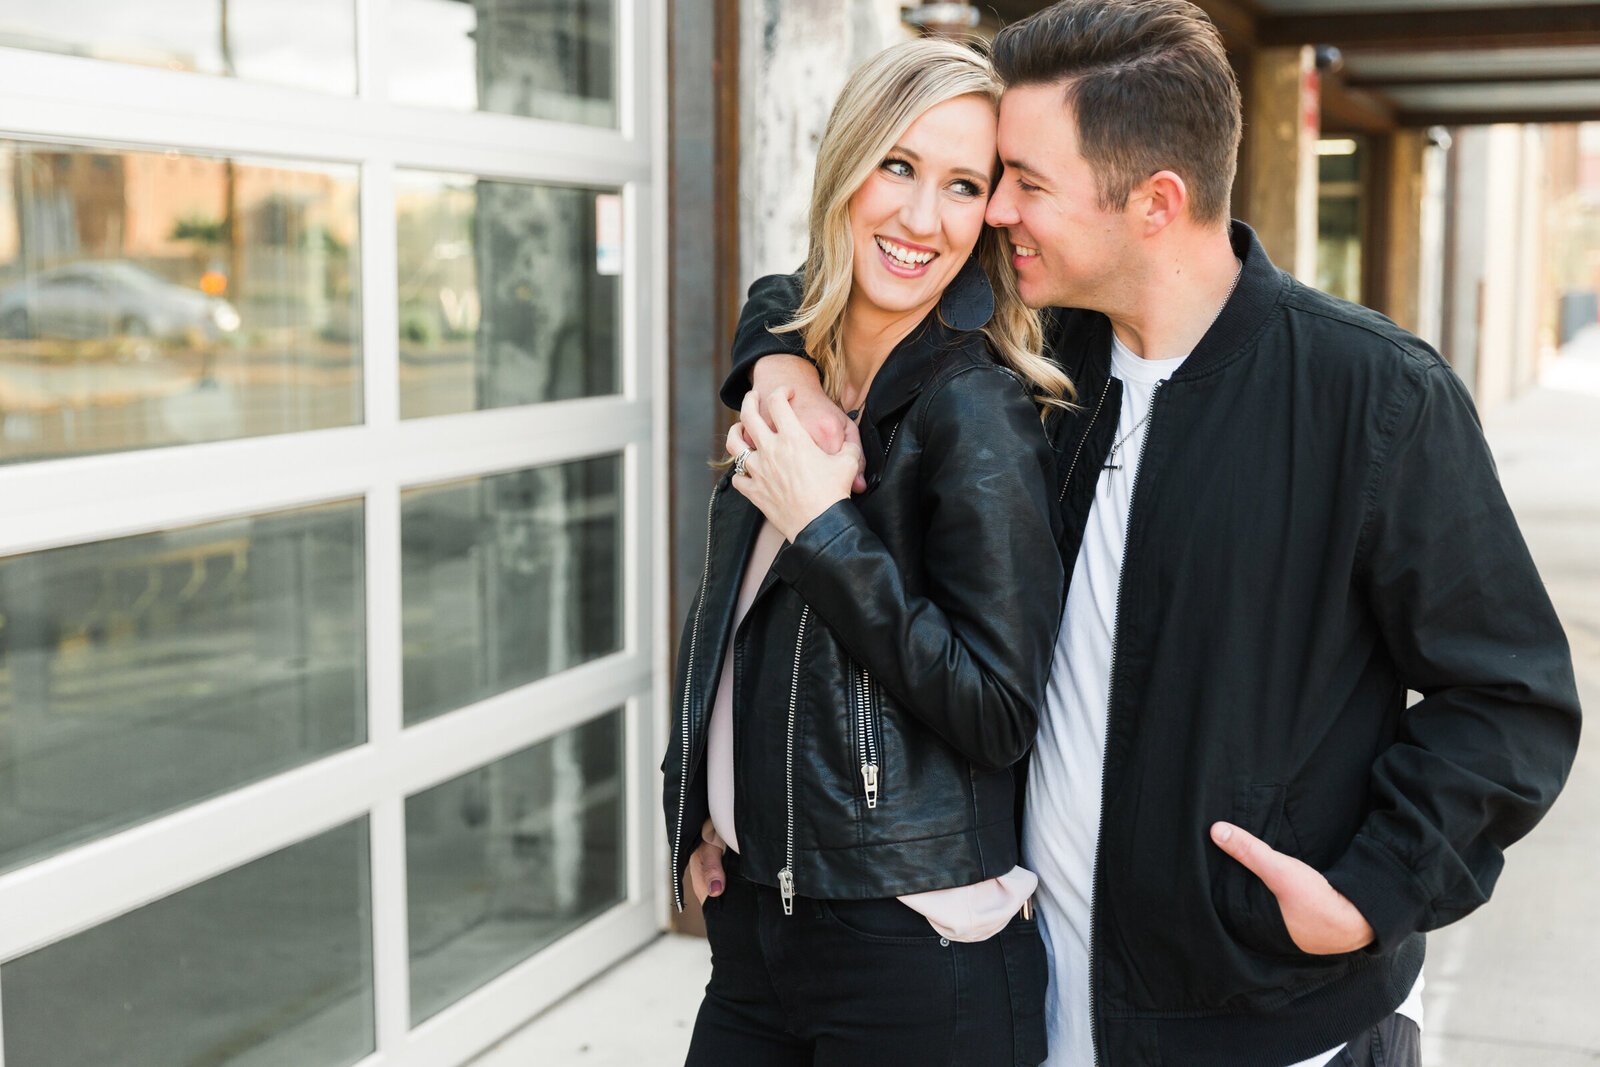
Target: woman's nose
{"type": "Point", "coordinates": [920, 213]}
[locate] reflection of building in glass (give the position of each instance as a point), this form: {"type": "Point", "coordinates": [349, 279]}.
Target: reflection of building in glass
{"type": "Point", "coordinates": [266, 228]}
{"type": "Point", "coordinates": [502, 300]}
{"type": "Point", "coordinates": [145, 673]}
{"type": "Point", "coordinates": [210, 294]}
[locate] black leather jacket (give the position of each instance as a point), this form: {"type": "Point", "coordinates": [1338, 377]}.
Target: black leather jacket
{"type": "Point", "coordinates": [890, 671]}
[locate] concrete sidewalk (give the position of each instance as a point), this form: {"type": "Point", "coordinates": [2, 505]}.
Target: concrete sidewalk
{"type": "Point", "coordinates": [638, 1014]}
{"type": "Point", "coordinates": [1513, 985]}
{"type": "Point", "coordinates": [1516, 983]}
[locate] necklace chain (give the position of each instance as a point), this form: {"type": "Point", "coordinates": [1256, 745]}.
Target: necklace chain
{"type": "Point", "coordinates": [1110, 464]}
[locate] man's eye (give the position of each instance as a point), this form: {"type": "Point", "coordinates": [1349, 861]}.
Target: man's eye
{"type": "Point", "coordinates": [897, 166]}
{"type": "Point", "coordinates": [1025, 187]}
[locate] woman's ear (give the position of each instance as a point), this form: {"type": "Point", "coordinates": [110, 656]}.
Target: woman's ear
{"type": "Point", "coordinates": [968, 301]}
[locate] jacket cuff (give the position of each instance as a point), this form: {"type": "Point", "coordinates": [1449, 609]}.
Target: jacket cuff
{"type": "Point", "coordinates": [794, 559]}
{"type": "Point", "coordinates": [1383, 889]}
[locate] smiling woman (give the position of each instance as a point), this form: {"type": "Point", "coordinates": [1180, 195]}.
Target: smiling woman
{"type": "Point", "coordinates": [872, 853]}
{"type": "Point", "coordinates": [912, 178]}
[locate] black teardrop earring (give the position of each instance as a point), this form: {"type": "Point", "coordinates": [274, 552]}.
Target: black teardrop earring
{"type": "Point", "coordinates": [968, 301]}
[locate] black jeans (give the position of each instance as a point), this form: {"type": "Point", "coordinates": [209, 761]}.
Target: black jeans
{"type": "Point", "coordinates": [1395, 1042]}
{"type": "Point", "coordinates": [847, 982]}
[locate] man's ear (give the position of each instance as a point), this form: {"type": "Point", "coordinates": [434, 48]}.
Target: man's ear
{"type": "Point", "coordinates": [1160, 200]}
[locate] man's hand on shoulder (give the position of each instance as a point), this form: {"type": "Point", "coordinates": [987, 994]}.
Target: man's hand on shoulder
{"type": "Point", "coordinates": [1320, 919]}
{"type": "Point", "coordinates": [828, 426]}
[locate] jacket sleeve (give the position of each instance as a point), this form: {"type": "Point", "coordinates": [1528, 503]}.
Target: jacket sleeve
{"type": "Point", "coordinates": [1480, 758]}
{"type": "Point", "coordinates": [971, 656]}
{"type": "Point", "coordinates": [772, 301]}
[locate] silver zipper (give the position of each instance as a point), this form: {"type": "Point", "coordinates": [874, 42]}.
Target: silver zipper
{"type": "Point", "coordinates": [1084, 438]}
{"type": "Point", "coordinates": [1116, 622]}
{"type": "Point", "coordinates": [688, 687]}
{"type": "Point", "coordinates": [866, 741]}
{"type": "Point", "coordinates": [786, 876]}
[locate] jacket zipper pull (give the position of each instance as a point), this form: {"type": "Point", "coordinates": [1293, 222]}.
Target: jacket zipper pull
{"type": "Point", "coordinates": [786, 889]}
{"type": "Point", "coordinates": [869, 777]}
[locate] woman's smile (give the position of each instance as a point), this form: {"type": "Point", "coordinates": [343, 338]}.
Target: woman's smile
{"type": "Point", "coordinates": [904, 259]}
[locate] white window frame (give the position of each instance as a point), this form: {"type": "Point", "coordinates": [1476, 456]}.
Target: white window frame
{"type": "Point", "coordinates": [83, 499]}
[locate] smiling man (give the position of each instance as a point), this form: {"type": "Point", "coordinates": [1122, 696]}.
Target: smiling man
{"type": "Point", "coordinates": [1280, 516]}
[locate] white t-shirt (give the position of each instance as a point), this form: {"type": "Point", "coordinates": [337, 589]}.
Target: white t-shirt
{"type": "Point", "coordinates": [1062, 820]}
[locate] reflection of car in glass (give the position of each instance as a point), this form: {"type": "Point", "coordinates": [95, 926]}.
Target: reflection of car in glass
{"type": "Point", "coordinates": [109, 298]}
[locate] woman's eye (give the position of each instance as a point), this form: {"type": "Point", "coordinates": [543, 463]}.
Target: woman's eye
{"type": "Point", "coordinates": [966, 188]}
{"type": "Point", "coordinates": [898, 167]}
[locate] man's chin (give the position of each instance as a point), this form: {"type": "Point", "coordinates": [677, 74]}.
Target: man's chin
{"type": "Point", "coordinates": [1034, 296]}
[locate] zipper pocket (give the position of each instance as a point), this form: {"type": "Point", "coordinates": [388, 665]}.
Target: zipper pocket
{"type": "Point", "coordinates": [867, 732]}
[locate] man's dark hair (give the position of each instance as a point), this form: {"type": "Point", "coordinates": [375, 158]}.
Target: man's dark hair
{"type": "Point", "coordinates": [1151, 87]}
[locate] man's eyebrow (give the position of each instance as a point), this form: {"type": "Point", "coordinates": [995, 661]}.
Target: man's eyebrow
{"type": "Point", "coordinates": [1022, 165]}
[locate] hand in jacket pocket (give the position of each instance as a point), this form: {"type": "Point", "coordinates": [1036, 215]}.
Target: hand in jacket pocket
{"type": "Point", "coordinates": [1319, 918]}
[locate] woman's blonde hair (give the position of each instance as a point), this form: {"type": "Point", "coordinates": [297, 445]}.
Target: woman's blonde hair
{"type": "Point", "coordinates": [878, 104]}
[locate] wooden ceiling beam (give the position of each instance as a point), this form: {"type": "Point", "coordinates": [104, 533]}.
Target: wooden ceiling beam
{"type": "Point", "coordinates": [1494, 28]}
{"type": "Point", "coordinates": [1348, 110]}
{"type": "Point", "coordinates": [1415, 119]}
{"type": "Point", "coordinates": [1413, 80]}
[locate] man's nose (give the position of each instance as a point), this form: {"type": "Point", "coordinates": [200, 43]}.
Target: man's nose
{"type": "Point", "coordinates": [1002, 210]}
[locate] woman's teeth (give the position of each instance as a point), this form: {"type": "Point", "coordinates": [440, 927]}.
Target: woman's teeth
{"type": "Point", "coordinates": [903, 255]}
{"type": "Point", "coordinates": [1025, 252]}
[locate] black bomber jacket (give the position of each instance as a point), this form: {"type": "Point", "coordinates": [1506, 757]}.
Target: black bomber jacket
{"type": "Point", "coordinates": [1317, 528]}
{"type": "Point", "coordinates": [888, 675]}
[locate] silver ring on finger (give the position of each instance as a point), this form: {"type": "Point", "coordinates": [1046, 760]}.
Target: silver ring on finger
{"type": "Point", "coordinates": [740, 460]}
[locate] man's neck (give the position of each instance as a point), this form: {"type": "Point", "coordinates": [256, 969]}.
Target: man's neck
{"type": "Point", "coordinates": [1178, 296]}
{"type": "Point", "coordinates": [867, 337]}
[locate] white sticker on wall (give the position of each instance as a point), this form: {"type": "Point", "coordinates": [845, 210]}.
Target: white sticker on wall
{"type": "Point", "coordinates": [608, 233]}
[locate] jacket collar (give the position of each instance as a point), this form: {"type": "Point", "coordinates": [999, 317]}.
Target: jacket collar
{"type": "Point", "coordinates": [1260, 286]}
{"type": "Point", "coordinates": [903, 376]}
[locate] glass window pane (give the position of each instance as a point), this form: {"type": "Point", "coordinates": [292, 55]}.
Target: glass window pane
{"type": "Point", "coordinates": [306, 43]}
{"type": "Point", "coordinates": [507, 579]}
{"type": "Point", "coordinates": [544, 59]}
{"type": "Point", "coordinates": [504, 860]}
{"type": "Point", "coordinates": [156, 298]}
{"type": "Point", "coordinates": [268, 965]}
{"type": "Point", "coordinates": [145, 673]}
{"type": "Point", "coordinates": [509, 293]}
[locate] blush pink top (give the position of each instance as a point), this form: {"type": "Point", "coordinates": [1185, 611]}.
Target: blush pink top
{"type": "Point", "coordinates": [962, 913]}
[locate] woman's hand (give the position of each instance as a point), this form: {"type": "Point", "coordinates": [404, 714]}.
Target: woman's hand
{"type": "Point", "coordinates": [706, 878]}
{"type": "Point", "coordinates": [785, 474]}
